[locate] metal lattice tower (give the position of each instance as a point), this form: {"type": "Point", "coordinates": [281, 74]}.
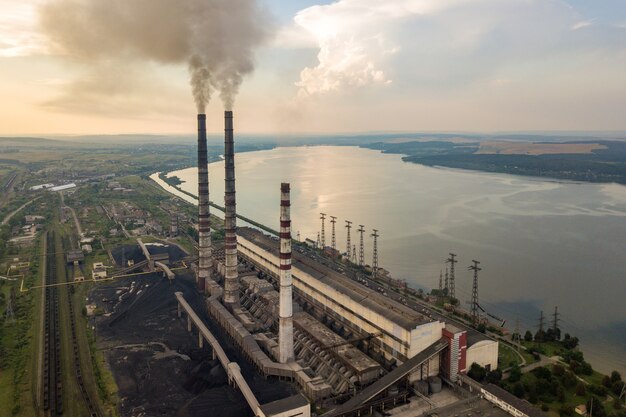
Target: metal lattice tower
{"type": "Point", "coordinates": [348, 243]}
{"type": "Point", "coordinates": [474, 310]}
{"type": "Point", "coordinates": [354, 254]}
{"type": "Point", "coordinates": [323, 234]}
{"type": "Point", "coordinates": [555, 320]}
{"type": "Point", "coordinates": [541, 322]}
{"type": "Point", "coordinates": [317, 242]}
{"type": "Point", "coordinates": [375, 254]}
{"type": "Point", "coordinates": [333, 241]}
{"type": "Point", "coordinates": [446, 283]}
{"type": "Point", "coordinates": [361, 246]}
{"type": "Point", "coordinates": [451, 260]}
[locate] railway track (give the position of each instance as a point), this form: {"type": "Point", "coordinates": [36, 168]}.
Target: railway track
{"type": "Point", "coordinates": [52, 369]}
{"type": "Point", "coordinates": [53, 385]}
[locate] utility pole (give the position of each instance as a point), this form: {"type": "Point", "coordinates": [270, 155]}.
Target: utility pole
{"type": "Point", "coordinates": [333, 241]}
{"type": "Point", "coordinates": [474, 310]}
{"type": "Point", "coordinates": [323, 236]}
{"type": "Point", "coordinates": [451, 260]}
{"type": "Point", "coordinates": [348, 243]}
{"type": "Point", "coordinates": [361, 247]}
{"type": "Point", "coordinates": [375, 257]}
{"type": "Point", "coordinates": [517, 334]}
{"type": "Point", "coordinates": [555, 321]}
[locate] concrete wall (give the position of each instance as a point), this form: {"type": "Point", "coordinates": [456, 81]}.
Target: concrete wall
{"type": "Point", "coordinates": [483, 353]}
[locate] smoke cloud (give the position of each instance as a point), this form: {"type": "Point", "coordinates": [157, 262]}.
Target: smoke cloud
{"type": "Point", "coordinates": [215, 38]}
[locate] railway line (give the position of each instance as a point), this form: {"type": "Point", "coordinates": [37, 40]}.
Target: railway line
{"type": "Point", "coordinates": [53, 377]}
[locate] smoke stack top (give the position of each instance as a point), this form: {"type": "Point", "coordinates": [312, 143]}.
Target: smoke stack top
{"type": "Point", "coordinates": [216, 39]}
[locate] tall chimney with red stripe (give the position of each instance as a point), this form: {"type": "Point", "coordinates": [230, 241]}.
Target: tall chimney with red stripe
{"type": "Point", "coordinates": [285, 324]}
{"type": "Point", "coordinates": [231, 275]}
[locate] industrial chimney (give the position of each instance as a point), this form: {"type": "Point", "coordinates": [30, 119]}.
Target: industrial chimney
{"type": "Point", "coordinates": [204, 225]}
{"type": "Point", "coordinates": [285, 325]}
{"type": "Point", "coordinates": [231, 281]}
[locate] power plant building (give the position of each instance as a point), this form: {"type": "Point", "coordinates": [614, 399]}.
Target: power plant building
{"type": "Point", "coordinates": [402, 332]}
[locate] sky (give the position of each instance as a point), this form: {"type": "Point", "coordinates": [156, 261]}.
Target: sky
{"type": "Point", "coordinates": [327, 67]}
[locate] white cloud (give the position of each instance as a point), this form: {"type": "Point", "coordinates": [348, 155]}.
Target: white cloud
{"type": "Point", "coordinates": [443, 43]}
{"type": "Point", "coordinates": [18, 28]}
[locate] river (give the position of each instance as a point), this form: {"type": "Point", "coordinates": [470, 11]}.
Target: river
{"type": "Point", "coordinates": [541, 243]}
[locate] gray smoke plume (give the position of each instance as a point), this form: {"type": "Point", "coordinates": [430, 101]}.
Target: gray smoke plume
{"type": "Point", "coordinates": [215, 38]}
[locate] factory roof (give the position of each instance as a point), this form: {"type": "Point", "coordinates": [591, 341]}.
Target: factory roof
{"type": "Point", "coordinates": [63, 187]}
{"type": "Point", "coordinates": [326, 338]}
{"type": "Point", "coordinates": [286, 404]}
{"type": "Point", "coordinates": [521, 405]}
{"type": "Point", "coordinates": [378, 303]}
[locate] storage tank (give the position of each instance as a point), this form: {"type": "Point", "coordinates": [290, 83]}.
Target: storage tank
{"type": "Point", "coordinates": [421, 387]}
{"type": "Point", "coordinates": [434, 383]}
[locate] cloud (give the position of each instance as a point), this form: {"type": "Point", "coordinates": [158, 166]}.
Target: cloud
{"type": "Point", "coordinates": [434, 44]}
{"type": "Point", "coordinates": [18, 31]}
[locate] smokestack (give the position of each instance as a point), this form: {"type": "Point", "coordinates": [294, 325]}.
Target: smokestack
{"type": "Point", "coordinates": [285, 325]}
{"type": "Point", "coordinates": [204, 224]}
{"type": "Point", "coordinates": [231, 281]}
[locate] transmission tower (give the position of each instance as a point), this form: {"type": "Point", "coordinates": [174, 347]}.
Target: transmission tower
{"type": "Point", "coordinates": [517, 334]}
{"type": "Point", "coordinates": [361, 247]}
{"type": "Point", "coordinates": [317, 242]}
{"type": "Point", "coordinates": [541, 322]}
{"type": "Point", "coordinates": [440, 284]}
{"type": "Point", "coordinates": [323, 236]}
{"type": "Point", "coordinates": [333, 241]}
{"type": "Point", "coordinates": [474, 310]}
{"type": "Point", "coordinates": [354, 254]}
{"type": "Point", "coordinates": [555, 321]}
{"type": "Point", "coordinates": [446, 283]}
{"type": "Point", "coordinates": [451, 260]}
{"type": "Point", "coordinates": [348, 243]}
{"type": "Point", "coordinates": [375, 254]}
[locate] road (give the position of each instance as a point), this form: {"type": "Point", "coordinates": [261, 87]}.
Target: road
{"type": "Point", "coordinates": [13, 213]}
{"type": "Point", "coordinates": [78, 229]}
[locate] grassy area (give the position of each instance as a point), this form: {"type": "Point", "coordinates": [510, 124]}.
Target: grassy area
{"type": "Point", "coordinates": [17, 375]}
{"type": "Point", "coordinates": [507, 357]}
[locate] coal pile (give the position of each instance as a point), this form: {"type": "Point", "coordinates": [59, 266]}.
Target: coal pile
{"type": "Point", "coordinates": [124, 253]}
{"type": "Point", "coordinates": [157, 365]}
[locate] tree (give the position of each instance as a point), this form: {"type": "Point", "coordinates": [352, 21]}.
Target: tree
{"type": "Point", "coordinates": [566, 410]}
{"type": "Point", "coordinates": [617, 403]}
{"type": "Point", "coordinates": [528, 336]}
{"type": "Point", "coordinates": [477, 372]}
{"type": "Point", "coordinates": [515, 374]}
{"type": "Point", "coordinates": [494, 376]}
{"type": "Point", "coordinates": [597, 409]}
{"type": "Point", "coordinates": [606, 381]}
{"type": "Point", "coordinates": [580, 389]}
{"type": "Point", "coordinates": [518, 390]}
{"type": "Point", "coordinates": [615, 376]}
{"type": "Point", "coordinates": [481, 328]}
{"type": "Point", "coordinates": [540, 336]}
{"type": "Point", "coordinates": [558, 370]}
